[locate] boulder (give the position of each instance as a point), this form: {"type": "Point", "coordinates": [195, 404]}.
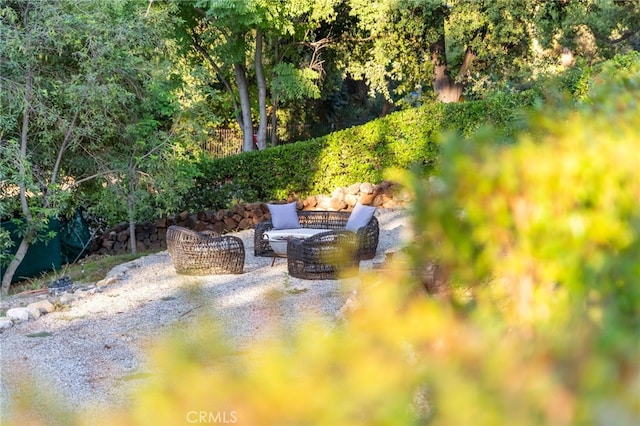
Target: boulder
{"type": "Point", "coordinates": [18, 314]}
{"type": "Point", "coordinates": [34, 313]}
{"type": "Point", "coordinates": [44, 306]}
{"type": "Point", "coordinates": [367, 188]}
{"type": "Point", "coordinates": [5, 323]}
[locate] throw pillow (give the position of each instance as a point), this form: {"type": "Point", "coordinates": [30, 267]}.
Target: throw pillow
{"type": "Point", "coordinates": [284, 216]}
{"type": "Point", "coordinates": [359, 217]}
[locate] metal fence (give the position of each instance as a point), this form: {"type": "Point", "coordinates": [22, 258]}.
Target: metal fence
{"type": "Point", "coordinates": [224, 142]}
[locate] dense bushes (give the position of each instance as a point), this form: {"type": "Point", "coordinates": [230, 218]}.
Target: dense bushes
{"type": "Point", "coordinates": [405, 140]}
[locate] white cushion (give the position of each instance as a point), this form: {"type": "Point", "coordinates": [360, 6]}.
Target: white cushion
{"type": "Point", "coordinates": [284, 216]}
{"type": "Point", "coordinates": [285, 234]}
{"type": "Point", "coordinates": [359, 217]}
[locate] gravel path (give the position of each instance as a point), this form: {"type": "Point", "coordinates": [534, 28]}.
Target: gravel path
{"type": "Point", "coordinates": [93, 354]}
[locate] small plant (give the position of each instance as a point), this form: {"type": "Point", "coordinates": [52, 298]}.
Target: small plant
{"type": "Point", "coordinates": [40, 334]}
{"type": "Point", "coordinates": [58, 306]}
{"type": "Point", "coordinates": [289, 289]}
{"type": "Point", "coordinates": [89, 270]}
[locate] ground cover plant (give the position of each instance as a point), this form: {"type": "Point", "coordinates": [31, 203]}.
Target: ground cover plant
{"type": "Point", "coordinates": [88, 270]}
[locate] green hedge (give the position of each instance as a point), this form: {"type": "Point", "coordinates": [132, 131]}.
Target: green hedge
{"type": "Point", "coordinates": [405, 139]}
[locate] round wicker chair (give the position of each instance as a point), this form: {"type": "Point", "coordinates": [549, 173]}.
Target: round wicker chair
{"type": "Point", "coordinates": [204, 253]}
{"type": "Point", "coordinates": [323, 256]}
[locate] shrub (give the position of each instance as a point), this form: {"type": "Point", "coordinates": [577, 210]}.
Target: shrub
{"type": "Point", "coordinates": [405, 140]}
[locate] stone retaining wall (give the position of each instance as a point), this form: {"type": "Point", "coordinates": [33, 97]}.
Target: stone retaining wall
{"type": "Point", "coordinates": [152, 235]}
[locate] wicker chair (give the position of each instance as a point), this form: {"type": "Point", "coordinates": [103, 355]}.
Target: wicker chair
{"type": "Point", "coordinates": [335, 220]}
{"type": "Point", "coordinates": [204, 253]}
{"type": "Point", "coordinates": [323, 256]}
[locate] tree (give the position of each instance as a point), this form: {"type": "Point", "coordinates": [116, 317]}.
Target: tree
{"type": "Point", "coordinates": [227, 34]}
{"type": "Point", "coordinates": [70, 72]}
{"type": "Point", "coordinates": [217, 30]}
{"type": "Point", "coordinates": [466, 47]}
{"type": "Point", "coordinates": [411, 45]}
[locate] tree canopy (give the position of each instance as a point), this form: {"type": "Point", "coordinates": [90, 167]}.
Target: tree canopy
{"type": "Point", "coordinates": [82, 92]}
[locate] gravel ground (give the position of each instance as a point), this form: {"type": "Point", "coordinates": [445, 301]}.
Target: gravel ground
{"type": "Point", "coordinates": [92, 353]}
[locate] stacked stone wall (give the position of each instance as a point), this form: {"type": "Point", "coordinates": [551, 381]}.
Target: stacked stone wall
{"type": "Point", "coordinates": [151, 236]}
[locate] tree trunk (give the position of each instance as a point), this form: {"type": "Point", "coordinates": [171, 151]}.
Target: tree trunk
{"type": "Point", "coordinates": [245, 104]}
{"type": "Point", "coordinates": [133, 246]}
{"type": "Point", "coordinates": [274, 106]}
{"type": "Point", "coordinates": [274, 121]}
{"type": "Point", "coordinates": [13, 265]}
{"type": "Point", "coordinates": [262, 94]}
{"type": "Point", "coordinates": [31, 233]}
{"type": "Point", "coordinates": [446, 88]}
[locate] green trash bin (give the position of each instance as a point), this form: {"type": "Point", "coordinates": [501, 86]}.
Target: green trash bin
{"type": "Point", "coordinates": [41, 256]}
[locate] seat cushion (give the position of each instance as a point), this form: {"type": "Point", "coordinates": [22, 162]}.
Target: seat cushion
{"type": "Point", "coordinates": [359, 217]}
{"type": "Point", "coordinates": [284, 216]}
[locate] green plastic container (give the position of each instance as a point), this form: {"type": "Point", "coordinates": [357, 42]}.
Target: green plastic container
{"type": "Point", "coordinates": [42, 256]}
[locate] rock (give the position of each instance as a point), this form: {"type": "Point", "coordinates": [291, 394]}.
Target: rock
{"type": "Point", "coordinates": [18, 314]}
{"type": "Point", "coordinates": [108, 280]}
{"type": "Point", "coordinates": [107, 244]}
{"type": "Point", "coordinates": [366, 188]}
{"type": "Point", "coordinates": [350, 199]}
{"type": "Point", "coordinates": [34, 313]}
{"type": "Point", "coordinates": [239, 209]}
{"type": "Point", "coordinates": [311, 201]}
{"type": "Point", "coordinates": [245, 224]}
{"type": "Point", "coordinates": [218, 227]}
{"type": "Point", "coordinates": [66, 299]}
{"type": "Point", "coordinates": [230, 224]}
{"type": "Point", "coordinates": [5, 323]}
{"type": "Point", "coordinates": [337, 204]}
{"type": "Point", "coordinates": [353, 189]}
{"type": "Point", "coordinates": [338, 194]}
{"type": "Point", "coordinates": [200, 226]}
{"type": "Point", "coordinates": [323, 202]}
{"type": "Point", "coordinates": [367, 199]}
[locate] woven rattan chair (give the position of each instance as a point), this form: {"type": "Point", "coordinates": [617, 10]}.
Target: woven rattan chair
{"type": "Point", "coordinates": [204, 253]}
{"type": "Point", "coordinates": [324, 256]}
{"type": "Point", "coordinates": [367, 235]}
